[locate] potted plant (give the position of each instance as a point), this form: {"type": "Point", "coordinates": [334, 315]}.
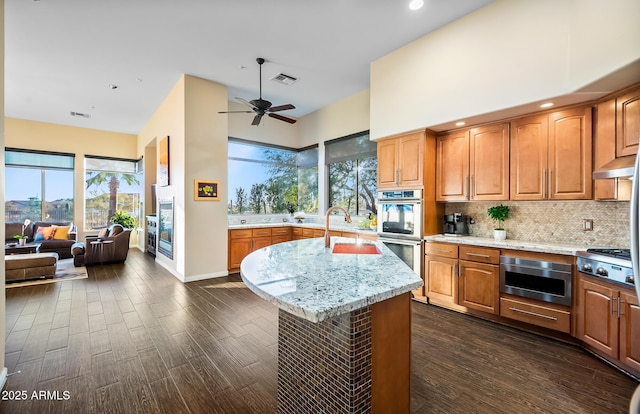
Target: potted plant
{"type": "Point", "coordinates": [499, 214]}
{"type": "Point", "coordinates": [22, 239]}
{"type": "Point", "coordinates": [125, 219]}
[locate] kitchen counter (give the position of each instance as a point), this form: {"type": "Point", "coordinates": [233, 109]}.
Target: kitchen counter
{"type": "Point", "coordinates": [541, 247]}
{"type": "Point", "coordinates": [344, 325]}
{"type": "Point", "coordinates": [305, 279]}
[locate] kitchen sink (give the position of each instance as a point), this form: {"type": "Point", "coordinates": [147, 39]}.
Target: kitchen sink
{"type": "Point", "coordinates": [352, 248]}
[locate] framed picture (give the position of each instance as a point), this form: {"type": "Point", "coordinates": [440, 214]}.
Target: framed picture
{"type": "Point", "coordinates": [163, 167]}
{"type": "Point", "coordinates": [206, 190]}
{"type": "Point", "coordinates": [165, 229]}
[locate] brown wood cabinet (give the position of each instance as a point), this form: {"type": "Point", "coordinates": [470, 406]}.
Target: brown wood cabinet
{"type": "Point", "coordinates": [628, 123]}
{"type": "Point", "coordinates": [479, 279]}
{"type": "Point", "coordinates": [473, 164]}
{"type": "Point", "coordinates": [441, 279]}
{"type": "Point", "coordinates": [608, 320]}
{"type": "Point", "coordinates": [400, 161]}
{"type": "Point", "coordinates": [244, 241]}
{"type": "Point", "coordinates": [551, 156]}
{"type": "Point", "coordinates": [604, 149]}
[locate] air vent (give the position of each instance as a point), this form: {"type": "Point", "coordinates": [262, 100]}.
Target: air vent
{"type": "Point", "coordinates": [284, 79]}
{"type": "Point", "coordinates": [80, 115]}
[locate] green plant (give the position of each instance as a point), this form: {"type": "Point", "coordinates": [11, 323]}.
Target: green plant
{"type": "Point", "coordinates": [124, 219]}
{"type": "Point", "coordinates": [18, 236]}
{"type": "Point", "coordinates": [500, 214]}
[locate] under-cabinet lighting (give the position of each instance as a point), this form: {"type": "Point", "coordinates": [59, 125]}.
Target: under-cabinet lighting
{"type": "Point", "coordinates": [546, 105]}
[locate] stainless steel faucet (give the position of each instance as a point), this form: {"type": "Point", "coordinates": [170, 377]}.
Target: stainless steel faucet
{"type": "Point", "coordinates": [327, 236]}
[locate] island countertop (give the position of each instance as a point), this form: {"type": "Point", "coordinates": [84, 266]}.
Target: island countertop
{"type": "Point", "coordinates": [306, 279]}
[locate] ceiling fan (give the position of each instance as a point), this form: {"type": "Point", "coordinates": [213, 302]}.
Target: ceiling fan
{"type": "Point", "coordinates": [263, 107]}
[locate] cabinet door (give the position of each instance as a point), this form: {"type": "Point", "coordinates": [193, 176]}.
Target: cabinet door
{"type": "Point", "coordinates": [628, 123]}
{"type": "Point", "coordinates": [570, 160]}
{"type": "Point", "coordinates": [597, 323]}
{"type": "Point", "coordinates": [260, 242]}
{"type": "Point", "coordinates": [605, 148]}
{"type": "Point", "coordinates": [441, 277]}
{"type": "Point", "coordinates": [452, 166]}
{"type": "Point", "coordinates": [630, 330]}
{"type": "Point", "coordinates": [489, 162]}
{"type": "Point", "coordinates": [479, 286]}
{"type": "Point", "coordinates": [410, 156]}
{"type": "Point", "coordinates": [238, 250]}
{"type": "Point", "coordinates": [529, 158]}
{"type": "Point", "coordinates": [388, 163]}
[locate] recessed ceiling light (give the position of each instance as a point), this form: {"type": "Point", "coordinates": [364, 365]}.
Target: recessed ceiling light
{"type": "Point", "coordinates": [416, 4]}
{"type": "Point", "coordinates": [460, 123]}
{"type": "Point", "coordinates": [112, 86]}
{"type": "Point", "coordinates": [546, 105]}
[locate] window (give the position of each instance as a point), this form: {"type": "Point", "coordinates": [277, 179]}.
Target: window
{"type": "Point", "coordinates": [269, 180]}
{"type": "Point", "coordinates": [38, 186]}
{"type": "Point", "coordinates": [352, 164]}
{"type": "Point", "coordinates": [112, 184]}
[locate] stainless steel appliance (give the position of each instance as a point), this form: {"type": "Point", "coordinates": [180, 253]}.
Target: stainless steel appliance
{"type": "Point", "coordinates": [536, 279]}
{"type": "Point", "coordinates": [400, 214]}
{"type": "Point", "coordinates": [400, 225]}
{"type": "Point", "coordinates": [634, 221]}
{"type": "Point", "coordinates": [456, 224]}
{"type": "Point", "coordinates": [611, 264]}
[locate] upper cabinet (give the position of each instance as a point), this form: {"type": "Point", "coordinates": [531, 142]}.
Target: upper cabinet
{"type": "Point", "coordinates": [473, 164]}
{"type": "Point", "coordinates": [551, 156]}
{"type": "Point", "coordinates": [400, 161]}
{"type": "Point", "coordinates": [628, 123]}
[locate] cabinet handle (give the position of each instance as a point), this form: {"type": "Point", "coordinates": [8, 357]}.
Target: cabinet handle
{"type": "Point", "coordinates": [620, 308]}
{"type": "Point", "coordinates": [471, 188]}
{"type": "Point", "coordinates": [544, 183]}
{"type": "Point", "coordinates": [533, 314]}
{"type": "Point", "coordinates": [611, 305]}
{"type": "Point", "coordinates": [456, 270]}
{"type": "Point", "coordinates": [550, 183]}
{"type": "Point", "coordinates": [466, 188]}
{"type": "Point", "coordinates": [484, 256]}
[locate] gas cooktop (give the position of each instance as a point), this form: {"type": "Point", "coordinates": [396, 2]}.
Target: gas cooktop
{"type": "Point", "coordinates": [624, 254]}
{"type": "Point", "coordinates": [612, 264]}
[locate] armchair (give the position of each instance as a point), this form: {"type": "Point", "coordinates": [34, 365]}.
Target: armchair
{"type": "Point", "coordinates": [89, 253]}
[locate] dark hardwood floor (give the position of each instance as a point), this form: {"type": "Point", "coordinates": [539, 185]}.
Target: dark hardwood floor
{"type": "Point", "coordinates": [133, 339]}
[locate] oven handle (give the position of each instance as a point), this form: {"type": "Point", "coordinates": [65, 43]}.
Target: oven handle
{"type": "Point", "coordinates": [400, 201]}
{"type": "Point", "coordinates": [400, 241]}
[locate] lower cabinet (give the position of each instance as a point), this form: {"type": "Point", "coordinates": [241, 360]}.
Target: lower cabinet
{"type": "Point", "coordinates": [537, 313]}
{"type": "Point", "coordinates": [479, 286]}
{"type": "Point", "coordinates": [441, 279]}
{"type": "Point", "coordinates": [608, 320]}
{"type": "Point", "coordinates": [244, 241]}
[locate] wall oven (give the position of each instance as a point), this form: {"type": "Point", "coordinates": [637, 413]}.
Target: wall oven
{"type": "Point", "coordinates": [536, 279]}
{"type": "Point", "coordinates": [410, 251]}
{"type": "Point", "coordinates": [400, 214]}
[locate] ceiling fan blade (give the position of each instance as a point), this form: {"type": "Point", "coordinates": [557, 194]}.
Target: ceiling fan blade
{"type": "Point", "coordinates": [236, 112]}
{"type": "Point", "coordinates": [256, 120]}
{"type": "Point", "coordinates": [244, 101]}
{"type": "Point", "coordinates": [283, 118]}
{"type": "Point", "coordinates": [281, 108]}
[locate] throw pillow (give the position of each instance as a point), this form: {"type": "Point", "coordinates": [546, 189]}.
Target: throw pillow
{"type": "Point", "coordinates": [103, 233]}
{"type": "Point", "coordinates": [44, 233]}
{"type": "Point", "coordinates": [61, 232]}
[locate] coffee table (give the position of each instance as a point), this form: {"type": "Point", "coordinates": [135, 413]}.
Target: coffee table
{"type": "Point", "coordinates": [17, 249]}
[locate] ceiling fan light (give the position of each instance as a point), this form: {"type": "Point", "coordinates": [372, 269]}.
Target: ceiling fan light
{"type": "Point", "coordinates": [416, 4]}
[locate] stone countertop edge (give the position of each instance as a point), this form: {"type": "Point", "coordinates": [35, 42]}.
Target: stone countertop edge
{"type": "Point", "coordinates": [337, 227]}
{"type": "Point", "coordinates": [304, 278]}
{"type": "Point", "coordinates": [551, 248]}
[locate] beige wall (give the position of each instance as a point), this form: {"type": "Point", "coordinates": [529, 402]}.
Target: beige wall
{"type": "Point", "coordinates": [198, 150]}
{"type": "Point", "coordinates": [506, 54]}
{"type": "Point", "coordinates": [20, 133]}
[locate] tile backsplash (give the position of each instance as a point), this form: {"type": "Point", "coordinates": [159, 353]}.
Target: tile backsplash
{"type": "Point", "coordinates": [554, 221]}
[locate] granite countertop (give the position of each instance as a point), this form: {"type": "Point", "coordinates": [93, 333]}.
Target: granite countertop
{"type": "Point", "coordinates": [304, 278]}
{"type": "Point", "coordinates": [542, 247]}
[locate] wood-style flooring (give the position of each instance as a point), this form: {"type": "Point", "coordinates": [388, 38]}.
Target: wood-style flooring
{"type": "Point", "coordinates": [133, 339]}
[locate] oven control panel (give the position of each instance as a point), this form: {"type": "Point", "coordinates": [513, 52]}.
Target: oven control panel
{"type": "Point", "coordinates": [613, 272]}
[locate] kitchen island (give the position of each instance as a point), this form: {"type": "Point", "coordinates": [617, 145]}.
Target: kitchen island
{"type": "Point", "coordinates": [344, 329]}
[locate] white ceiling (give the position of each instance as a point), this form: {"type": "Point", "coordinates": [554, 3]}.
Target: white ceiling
{"type": "Point", "coordinates": [62, 55]}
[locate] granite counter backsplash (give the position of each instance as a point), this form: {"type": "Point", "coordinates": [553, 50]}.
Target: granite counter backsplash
{"type": "Point", "coordinates": [554, 221]}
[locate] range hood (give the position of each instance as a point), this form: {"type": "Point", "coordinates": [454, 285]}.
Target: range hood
{"type": "Point", "coordinates": [620, 167]}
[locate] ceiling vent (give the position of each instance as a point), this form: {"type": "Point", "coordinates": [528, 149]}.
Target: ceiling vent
{"type": "Point", "coordinates": [284, 79]}
{"type": "Point", "coordinates": [80, 115]}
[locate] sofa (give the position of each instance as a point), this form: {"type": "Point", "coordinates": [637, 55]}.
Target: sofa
{"type": "Point", "coordinates": [110, 247]}
{"type": "Point", "coordinates": [42, 234]}
{"type": "Point", "coordinates": [19, 267]}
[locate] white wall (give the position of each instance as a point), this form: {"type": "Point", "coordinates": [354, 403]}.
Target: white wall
{"type": "Point", "coordinates": [506, 54]}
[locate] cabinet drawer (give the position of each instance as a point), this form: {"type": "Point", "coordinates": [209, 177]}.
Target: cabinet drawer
{"type": "Point", "coordinates": [280, 239]}
{"type": "Point", "coordinates": [441, 249]}
{"type": "Point", "coordinates": [281, 231]}
{"type": "Point", "coordinates": [536, 314]}
{"type": "Point", "coordinates": [480, 254]}
{"type": "Point", "coordinates": [262, 232]}
{"type": "Point", "coordinates": [318, 232]}
{"type": "Point", "coordinates": [297, 231]}
{"type": "Point", "coordinates": [241, 234]}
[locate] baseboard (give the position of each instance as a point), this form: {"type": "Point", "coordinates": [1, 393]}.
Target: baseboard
{"type": "Point", "coordinates": [206, 276]}
{"type": "Point", "coordinates": [3, 378]}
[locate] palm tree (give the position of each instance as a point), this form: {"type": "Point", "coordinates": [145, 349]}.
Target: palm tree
{"type": "Point", "coordinates": [97, 178]}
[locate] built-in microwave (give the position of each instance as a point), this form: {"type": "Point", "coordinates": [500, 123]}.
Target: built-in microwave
{"type": "Point", "coordinates": [400, 214]}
